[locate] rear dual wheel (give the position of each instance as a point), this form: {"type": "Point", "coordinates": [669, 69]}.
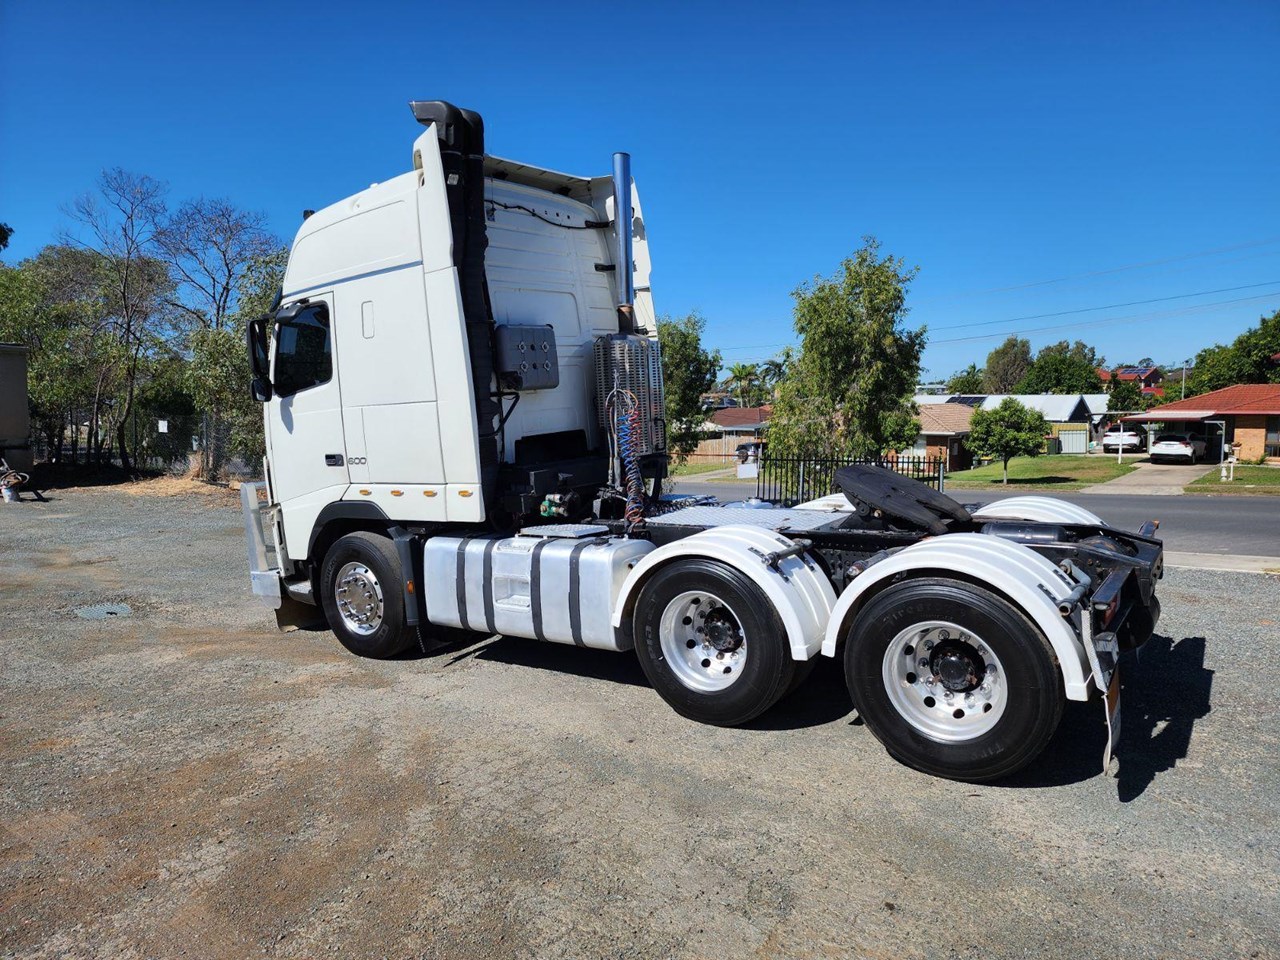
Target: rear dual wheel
{"type": "Point", "coordinates": [952, 679]}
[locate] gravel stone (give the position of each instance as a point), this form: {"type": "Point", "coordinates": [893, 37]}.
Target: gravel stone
{"type": "Point", "coordinates": [187, 781]}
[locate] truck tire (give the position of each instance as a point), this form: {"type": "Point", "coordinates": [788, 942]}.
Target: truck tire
{"type": "Point", "coordinates": [711, 643]}
{"type": "Point", "coordinates": [952, 679]}
{"type": "Point", "coordinates": [362, 592]}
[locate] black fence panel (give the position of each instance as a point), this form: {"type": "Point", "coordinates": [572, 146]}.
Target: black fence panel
{"type": "Point", "coordinates": [791, 480]}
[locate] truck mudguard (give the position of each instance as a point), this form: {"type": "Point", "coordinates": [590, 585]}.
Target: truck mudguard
{"type": "Point", "coordinates": [1023, 577]}
{"type": "Point", "coordinates": [1036, 509]}
{"type": "Point", "coordinates": [796, 586]}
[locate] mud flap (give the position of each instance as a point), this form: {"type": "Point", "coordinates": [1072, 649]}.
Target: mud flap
{"type": "Point", "coordinates": [1103, 651]}
{"type": "Point", "coordinates": [295, 615]}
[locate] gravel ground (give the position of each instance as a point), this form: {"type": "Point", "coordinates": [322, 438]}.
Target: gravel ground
{"type": "Point", "coordinates": [186, 781]}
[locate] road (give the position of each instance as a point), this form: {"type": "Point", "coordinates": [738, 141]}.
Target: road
{"type": "Point", "coordinates": [1246, 526]}
{"type": "Point", "coordinates": [183, 780]}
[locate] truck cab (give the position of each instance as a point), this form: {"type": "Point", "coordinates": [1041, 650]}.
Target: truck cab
{"type": "Point", "coordinates": [433, 356]}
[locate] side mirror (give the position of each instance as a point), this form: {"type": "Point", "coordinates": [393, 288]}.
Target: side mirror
{"type": "Point", "coordinates": [256, 341]}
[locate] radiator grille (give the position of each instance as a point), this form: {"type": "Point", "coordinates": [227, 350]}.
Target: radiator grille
{"type": "Point", "coordinates": [633, 363]}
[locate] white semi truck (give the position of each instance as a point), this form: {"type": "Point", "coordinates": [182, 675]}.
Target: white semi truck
{"type": "Point", "coordinates": [464, 423]}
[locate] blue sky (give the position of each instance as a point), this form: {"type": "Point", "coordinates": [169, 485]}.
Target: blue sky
{"type": "Point", "coordinates": [996, 146]}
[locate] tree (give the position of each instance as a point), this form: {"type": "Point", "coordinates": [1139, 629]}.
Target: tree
{"type": "Point", "coordinates": [1079, 351]}
{"type": "Point", "coordinates": [688, 371]}
{"type": "Point", "coordinates": [969, 380]}
{"type": "Point", "coordinates": [1006, 365]}
{"type": "Point", "coordinates": [218, 375]}
{"type": "Point", "coordinates": [1062, 371]}
{"type": "Point", "coordinates": [1010, 430]}
{"type": "Point", "coordinates": [6, 232]}
{"type": "Point", "coordinates": [774, 370]}
{"type": "Point", "coordinates": [1247, 359]}
{"type": "Point", "coordinates": [1127, 397]}
{"type": "Point", "coordinates": [745, 380]}
{"type": "Point", "coordinates": [56, 304]}
{"type": "Point", "coordinates": [123, 220]}
{"type": "Point", "coordinates": [210, 245]}
{"type": "Point", "coordinates": [850, 389]}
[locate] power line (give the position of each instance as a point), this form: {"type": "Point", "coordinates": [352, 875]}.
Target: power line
{"type": "Point", "coordinates": [1135, 318]}
{"type": "Point", "coordinates": [1043, 316]}
{"type": "Point", "coordinates": [1109, 306]}
{"type": "Point", "coordinates": [1101, 273]}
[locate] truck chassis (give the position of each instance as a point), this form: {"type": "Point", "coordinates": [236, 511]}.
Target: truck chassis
{"type": "Point", "coordinates": [962, 630]}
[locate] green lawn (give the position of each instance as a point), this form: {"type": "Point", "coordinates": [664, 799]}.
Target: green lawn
{"type": "Point", "coordinates": [1059, 472]}
{"type": "Point", "coordinates": [1249, 479]}
{"type": "Point", "coordinates": [692, 468]}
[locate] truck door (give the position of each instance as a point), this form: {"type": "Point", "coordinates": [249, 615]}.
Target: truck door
{"type": "Point", "coordinates": [304, 415]}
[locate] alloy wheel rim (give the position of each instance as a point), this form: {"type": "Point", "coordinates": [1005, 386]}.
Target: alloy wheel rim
{"type": "Point", "coordinates": [358, 596]}
{"type": "Point", "coordinates": [945, 681]}
{"type": "Point", "coordinates": [702, 641]}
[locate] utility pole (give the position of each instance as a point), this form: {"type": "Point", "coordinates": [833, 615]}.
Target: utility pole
{"type": "Point", "coordinates": [1184, 377]}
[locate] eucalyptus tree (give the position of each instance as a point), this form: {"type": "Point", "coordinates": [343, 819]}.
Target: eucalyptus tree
{"type": "Point", "coordinates": [849, 394]}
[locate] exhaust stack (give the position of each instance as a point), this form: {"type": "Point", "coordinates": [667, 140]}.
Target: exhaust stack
{"type": "Point", "coordinates": [623, 256]}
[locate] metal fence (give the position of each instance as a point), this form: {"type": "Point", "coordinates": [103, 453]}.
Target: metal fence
{"type": "Point", "coordinates": [796, 479]}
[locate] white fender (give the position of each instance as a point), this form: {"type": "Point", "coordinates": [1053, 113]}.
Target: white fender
{"type": "Point", "coordinates": [798, 589]}
{"type": "Point", "coordinates": [1028, 580]}
{"type": "Point", "coordinates": [1038, 509]}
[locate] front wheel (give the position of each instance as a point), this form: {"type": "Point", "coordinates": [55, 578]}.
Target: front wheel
{"type": "Point", "coordinates": [711, 643]}
{"type": "Point", "coordinates": [952, 679]}
{"type": "Point", "coordinates": [362, 591]}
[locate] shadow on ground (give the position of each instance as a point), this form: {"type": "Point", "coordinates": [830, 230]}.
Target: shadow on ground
{"type": "Point", "coordinates": [558, 658]}
{"type": "Point", "coordinates": [57, 476]}
{"type": "Point", "coordinates": [1163, 693]}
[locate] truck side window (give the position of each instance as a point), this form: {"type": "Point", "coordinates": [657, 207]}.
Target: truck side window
{"type": "Point", "coordinates": [304, 355]}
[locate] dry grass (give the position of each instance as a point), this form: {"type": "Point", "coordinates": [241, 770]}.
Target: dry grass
{"type": "Point", "coordinates": [166, 485]}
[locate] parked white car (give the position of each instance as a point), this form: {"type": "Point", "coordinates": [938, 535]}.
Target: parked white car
{"type": "Point", "coordinates": [1120, 437]}
{"type": "Point", "coordinates": [1177, 446]}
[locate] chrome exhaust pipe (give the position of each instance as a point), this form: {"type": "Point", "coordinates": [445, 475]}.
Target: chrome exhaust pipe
{"type": "Point", "coordinates": [623, 259]}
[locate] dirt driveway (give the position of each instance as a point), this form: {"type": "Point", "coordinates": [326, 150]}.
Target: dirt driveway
{"type": "Point", "coordinates": [184, 781]}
